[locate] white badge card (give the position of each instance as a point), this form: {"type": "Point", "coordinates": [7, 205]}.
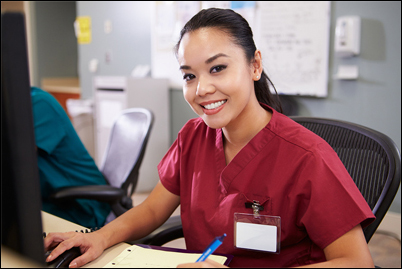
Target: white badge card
{"type": "Point", "coordinates": [257, 232]}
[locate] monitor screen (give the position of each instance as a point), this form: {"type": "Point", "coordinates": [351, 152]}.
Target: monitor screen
{"type": "Point", "coordinates": [21, 224]}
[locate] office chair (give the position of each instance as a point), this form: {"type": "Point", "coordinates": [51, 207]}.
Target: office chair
{"type": "Point", "coordinates": [371, 158]}
{"type": "Point", "coordinates": [121, 163]}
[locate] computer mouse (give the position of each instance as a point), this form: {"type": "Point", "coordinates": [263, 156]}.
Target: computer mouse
{"type": "Point", "coordinates": [64, 259]}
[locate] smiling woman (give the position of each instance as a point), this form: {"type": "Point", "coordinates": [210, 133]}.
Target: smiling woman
{"type": "Point", "coordinates": [224, 83]}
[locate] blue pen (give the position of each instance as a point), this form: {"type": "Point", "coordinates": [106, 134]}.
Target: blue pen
{"type": "Point", "coordinates": [211, 248]}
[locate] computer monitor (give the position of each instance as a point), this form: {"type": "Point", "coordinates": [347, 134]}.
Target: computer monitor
{"type": "Point", "coordinates": [21, 224]}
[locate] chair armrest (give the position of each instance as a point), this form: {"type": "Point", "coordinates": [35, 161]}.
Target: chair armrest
{"type": "Point", "coordinates": [170, 230]}
{"type": "Point", "coordinates": [102, 193]}
{"type": "Point", "coordinates": [167, 235]}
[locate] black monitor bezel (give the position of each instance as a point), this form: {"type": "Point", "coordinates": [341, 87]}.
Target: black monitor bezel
{"type": "Point", "coordinates": [21, 223]}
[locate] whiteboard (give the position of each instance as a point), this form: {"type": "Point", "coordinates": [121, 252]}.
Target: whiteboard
{"type": "Point", "coordinates": [293, 38]}
{"type": "Point", "coordinates": [294, 41]}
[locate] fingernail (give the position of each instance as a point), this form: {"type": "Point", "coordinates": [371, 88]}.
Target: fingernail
{"type": "Point", "coordinates": [73, 265]}
{"type": "Point", "coordinates": [48, 258]}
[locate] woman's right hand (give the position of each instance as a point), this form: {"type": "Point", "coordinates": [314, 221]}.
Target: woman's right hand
{"type": "Point", "coordinates": [91, 246]}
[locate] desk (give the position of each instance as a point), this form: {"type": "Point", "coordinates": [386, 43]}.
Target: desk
{"type": "Point", "coordinates": [52, 223]}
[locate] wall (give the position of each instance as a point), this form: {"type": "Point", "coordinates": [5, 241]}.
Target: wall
{"type": "Point", "coordinates": [379, 84]}
{"type": "Point", "coordinates": [374, 100]}
{"type": "Point", "coordinates": [54, 42]}
{"type": "Point", "coordinates": [128, 44]}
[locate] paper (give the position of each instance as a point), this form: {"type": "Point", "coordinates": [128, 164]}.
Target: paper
{"type": "Point", "coordinates": [83, 31]}
{"type": "Point", "coordinates": [256, 236]}
{"type": "Point", "coordinates": [138, 257]}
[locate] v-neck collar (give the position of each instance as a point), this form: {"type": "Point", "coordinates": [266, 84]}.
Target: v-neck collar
{"type": "Point", "coordinates": [228, 173]}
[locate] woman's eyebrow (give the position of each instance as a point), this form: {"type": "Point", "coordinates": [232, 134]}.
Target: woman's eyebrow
{"type": "Point", "coordinates": [208, 61]}
{"type": "Point", "coordinates": [184, 67]}
{"type": "Point", "coordinates": [213, 58]}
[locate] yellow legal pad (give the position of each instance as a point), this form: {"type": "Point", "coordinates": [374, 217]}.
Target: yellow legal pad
{"type": "Point", "coordinates": [139, 257]}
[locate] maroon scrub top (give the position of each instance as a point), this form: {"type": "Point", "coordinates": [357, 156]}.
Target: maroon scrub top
{"type": "Point", "coordinates": [291, 171]}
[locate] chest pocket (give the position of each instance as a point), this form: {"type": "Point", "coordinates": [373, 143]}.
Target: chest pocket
{"type": "Point", "coordinates": [264, 201]}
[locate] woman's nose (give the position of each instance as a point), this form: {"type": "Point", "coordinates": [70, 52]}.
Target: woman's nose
{"type": "Point", "coordinates": [204, 87]}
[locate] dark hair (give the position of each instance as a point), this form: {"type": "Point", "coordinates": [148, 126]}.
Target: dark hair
{"type": "Point", "coordinates": [238, 28]}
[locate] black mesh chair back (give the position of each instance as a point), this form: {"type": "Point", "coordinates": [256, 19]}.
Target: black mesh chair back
{"type": "Point", "coordinates": [371, 158]}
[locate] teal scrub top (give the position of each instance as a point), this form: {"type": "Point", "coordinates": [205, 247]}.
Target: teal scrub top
{"type": "Point", "coordinates": [63, 161]}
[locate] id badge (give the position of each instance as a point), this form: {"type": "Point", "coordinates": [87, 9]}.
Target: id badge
{"type": "Point", "coordinates": [257, 232]}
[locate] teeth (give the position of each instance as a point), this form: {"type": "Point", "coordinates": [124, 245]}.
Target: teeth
{"type": "Point", "coordinates": [215, 105]}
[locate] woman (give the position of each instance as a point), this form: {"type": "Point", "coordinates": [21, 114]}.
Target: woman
{"type": "Point", "coordinates": [242, 151]}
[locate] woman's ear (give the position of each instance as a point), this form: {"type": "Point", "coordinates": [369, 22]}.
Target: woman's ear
{"type": "Point", "coordinates": [257, 65]}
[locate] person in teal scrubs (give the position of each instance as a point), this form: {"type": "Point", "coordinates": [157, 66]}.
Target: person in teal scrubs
{"type": "Point", "coordinates": [63, 161]}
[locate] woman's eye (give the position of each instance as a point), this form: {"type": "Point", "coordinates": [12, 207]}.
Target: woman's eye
{"type": "Point", "coordinates": [218, 68]}
{"type": "Point", "coordinates": [188, 77]}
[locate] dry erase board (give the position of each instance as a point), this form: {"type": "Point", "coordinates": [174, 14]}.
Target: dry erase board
{"type": "Point", "coordinates": [292, 36]}
{"type": "Point", "coordinates": [294, 40]}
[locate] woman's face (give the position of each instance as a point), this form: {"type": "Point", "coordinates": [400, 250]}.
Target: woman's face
{"type": "Point", "coordinates": [218, 80]}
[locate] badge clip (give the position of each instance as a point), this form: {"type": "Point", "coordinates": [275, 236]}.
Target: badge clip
{"type": "Point", "coordinates": [255, 205]}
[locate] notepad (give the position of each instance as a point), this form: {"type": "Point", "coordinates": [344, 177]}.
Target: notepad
{"type": "Point", "coordinates": [139, 257]}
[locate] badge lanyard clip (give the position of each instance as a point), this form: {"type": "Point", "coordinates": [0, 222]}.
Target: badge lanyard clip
{"type": "Point", "coordinates": [255, 205]}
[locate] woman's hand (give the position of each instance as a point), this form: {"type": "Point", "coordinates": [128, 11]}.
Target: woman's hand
{"type": "Point", "coordinates": [208, 263]}
{"type": "Point", "coordinates": [91, 246]}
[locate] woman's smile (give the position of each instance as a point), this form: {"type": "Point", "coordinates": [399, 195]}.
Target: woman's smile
{"type": "Point", "coordinates": [213, 107]}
